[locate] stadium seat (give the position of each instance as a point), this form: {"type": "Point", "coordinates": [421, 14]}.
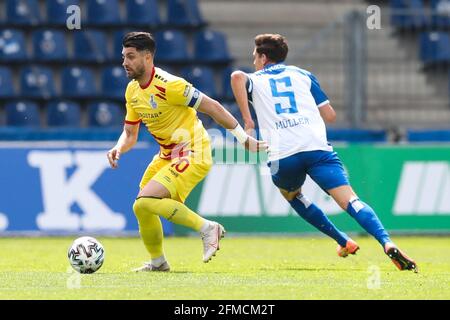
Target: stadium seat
{"type": "Point", "coordinates": [6, 83]}
{"type": "Point", "coordinates": [57, 11]}
{"type": "Point", "coordinates": [143, 13]}
{"type": "Point", "coordinates": [117, 44]}
{"type": "Point", "coordinates": [428, 135]}
{"type": "Point", "coordinates": [211, 46]}
{"type": "Point", "coordinates": [172, 46]}
{"type": "Point", "coordinates": [78, 82]}
{"type": "Point", "coordinates": [90, 46]}
{"type": "Point", "coordinates": [356, 135]}
{"type": "Point", "coordinates": [184, 13]}
{"type": "Point", "coordinates": [201, 78]}
{"type": "Point", "coordinates": [435, 48]}
{"type": "Point", "coordinates": [440, 13]}
{"type": "Point", "coordinates": [49, 45]}
{"type": "Point", "coordinates": [114, 82]}
{"type": "Point", "coordinates": [102, 12]}
{"type": "Point", "coordinates": [22, 12]}
{"type": "Point", "coordinates": [105, 114]}
{"type": "Point", "coordinates": [227, 92]}
{"type": "Point", "coordinates": [22, 113]}
{"type": "Point", "coordinates": [63, 114]}
{"type": "Point", "coordinates": [37, 82]}
{"type": "Point", "coordinates": [408, 14]}
{"type": "Point", "coordinates": [12, 46]}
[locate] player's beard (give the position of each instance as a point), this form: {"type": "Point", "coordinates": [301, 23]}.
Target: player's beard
{"type": "Point", "coordinates": [140, 71]}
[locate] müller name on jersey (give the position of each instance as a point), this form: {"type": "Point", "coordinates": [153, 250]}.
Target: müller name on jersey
{"type": "Point", "coordinates": [289, 123]}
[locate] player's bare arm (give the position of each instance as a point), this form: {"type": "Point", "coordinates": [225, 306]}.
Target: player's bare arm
{"type": "Point", "coordinates": [327, 113]}
{"type": "Point", "coordinates": [126, 141]}
{"type": "Point", "coordinates": [221, 116]}
{"type": "Point", "coordinates": [238, 84]}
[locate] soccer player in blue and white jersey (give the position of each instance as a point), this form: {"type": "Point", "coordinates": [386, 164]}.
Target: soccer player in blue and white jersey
{"type": "Point", "coordinates": [292, 110]}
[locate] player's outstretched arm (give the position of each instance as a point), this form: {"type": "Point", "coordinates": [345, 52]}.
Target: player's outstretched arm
{"type": "Point", "coordinates": [221, 116]}
{"type": "Point", "coordinates": [239, 86]}
{"type": "Point", "coordinates": [126, 141]}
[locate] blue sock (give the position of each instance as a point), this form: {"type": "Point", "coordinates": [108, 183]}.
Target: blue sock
{"type": "Point", "coordinates": [368, 219]}
{"type": "Point", "coordinates": [313, 215]}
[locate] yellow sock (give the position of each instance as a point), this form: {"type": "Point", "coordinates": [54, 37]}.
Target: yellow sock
{"type": "Point", "coordinates": [151, 232]}
{"type": "Point", "coordinates": [172, 210]}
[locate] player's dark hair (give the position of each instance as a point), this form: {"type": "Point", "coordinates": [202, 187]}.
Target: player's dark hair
{"type": "Point", "coordinates": [139, 40]}
{"type": "Point", "coordinates": [274, 46]}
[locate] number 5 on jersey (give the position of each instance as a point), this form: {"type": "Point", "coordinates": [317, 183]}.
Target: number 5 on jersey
{"type": "Point", "coordinates": [283, 94]}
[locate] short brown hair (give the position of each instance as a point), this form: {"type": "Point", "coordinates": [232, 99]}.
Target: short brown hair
{"type": "Point", "coordinates": [139, 40]}
{"type": "Point", "coordinates": [274, 46]}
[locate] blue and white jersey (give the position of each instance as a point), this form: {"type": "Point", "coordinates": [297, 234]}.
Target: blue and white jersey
{"type": "Point", "coordinates": [286, 100]}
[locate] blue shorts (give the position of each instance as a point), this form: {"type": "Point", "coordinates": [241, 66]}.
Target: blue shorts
{"type": "Point", "coordinates": [324, 167]}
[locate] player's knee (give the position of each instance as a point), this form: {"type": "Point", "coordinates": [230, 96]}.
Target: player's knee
{"type": "Point", "coordinates": [137, 207]}
{"type": "Point", "coordinates": [289, 196]}
{"type": "Point", "coordinates": [141, 207]}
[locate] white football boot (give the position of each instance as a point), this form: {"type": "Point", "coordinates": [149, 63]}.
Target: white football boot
{"type": "Point", "coordinates": [211, 238]}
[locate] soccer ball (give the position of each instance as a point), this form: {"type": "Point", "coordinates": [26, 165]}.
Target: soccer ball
{"type": "Point", "coordinates": [86, 255]}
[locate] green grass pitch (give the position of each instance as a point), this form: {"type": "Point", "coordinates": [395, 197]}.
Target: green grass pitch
{"type": "Point", "coordinates": [245, 268]}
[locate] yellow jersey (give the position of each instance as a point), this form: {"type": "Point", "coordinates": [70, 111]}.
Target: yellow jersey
{"type": "Point", "coordinates": [167, 106]}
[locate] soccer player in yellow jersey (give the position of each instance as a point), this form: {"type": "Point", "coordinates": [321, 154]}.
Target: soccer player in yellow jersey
{"type": "Point", "coordinates": [168, 106]}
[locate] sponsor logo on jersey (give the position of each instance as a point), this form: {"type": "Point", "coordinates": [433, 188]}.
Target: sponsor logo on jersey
{"type": "Point", "coordinates": [152, 101]}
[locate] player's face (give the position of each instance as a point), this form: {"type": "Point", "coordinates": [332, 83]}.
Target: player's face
{"type": "Point", "coordinates": [258, 60]}
{"type": "Point", "coordinates": [134, 62]}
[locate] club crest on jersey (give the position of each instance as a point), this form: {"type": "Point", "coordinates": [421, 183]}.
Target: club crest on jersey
{"type": "Point", "coordinates": [152, 101]}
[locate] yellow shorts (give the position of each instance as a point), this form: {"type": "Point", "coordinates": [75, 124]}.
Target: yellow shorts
{"type": "Point", "coordinates": [180, 175]}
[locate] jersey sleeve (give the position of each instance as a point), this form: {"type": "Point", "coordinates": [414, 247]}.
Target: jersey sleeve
{"type": "Point", "coordinates": [320, 97]}
{"type": "Point", "coordinates": [181, 93]}
{"type": "Point", "coordinates": [131, 117]}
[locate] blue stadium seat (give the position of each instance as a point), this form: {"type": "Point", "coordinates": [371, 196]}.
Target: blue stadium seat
{"type": "Point", "coordinates": [211, 46]}
{"type": "Point", "coordinates": [408, 14]}
{"type": "Point", "coordinates": [49, 45]}
{"type": "Point", "coordinates": [102, 13]}
{"type": "Point", "coordinates": [57, 11]}
{"type": "Point", "coordinates": [22, 12]}
{"type": "Point", "coordinates": [6, 83]}
{"type": "Point", "coordinates": [435, 48]}
{"type": "Point", "coordinates": [12, 46]}
{"type": "Point", "coordinates": [117, 43]}
{"type": "Point", "coordinates": [201, 78]}
{"type": "Point", "coordinates": [78, 82]}
{"type": "Point", "coordinates": [356, 135]}
{"type": "Point", "coordinates": [114, 82]}
{"type": "Point", "coordinates": [440, 13]}
{"type": "Point", "coordinates": [90, 46]}
{"type": "Point", "coordinates": [172, 46]}
{"type": "Point", "coordinates": [63, 114]}
{"type": "Point", "coordinates": [22, 113]}
{"type": "Point", "coordinates": [227, 92]}
{"type": "Point", "coordinates": [184, 13]}
{"type": "Point", "coordinates": [143, 13]}
{"type": "Point", "coordinates": [434, 135]}
{"type": "Point", "coordinates": [37, 82]}
{"type": "Point", "coordinates": [104, 114]}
